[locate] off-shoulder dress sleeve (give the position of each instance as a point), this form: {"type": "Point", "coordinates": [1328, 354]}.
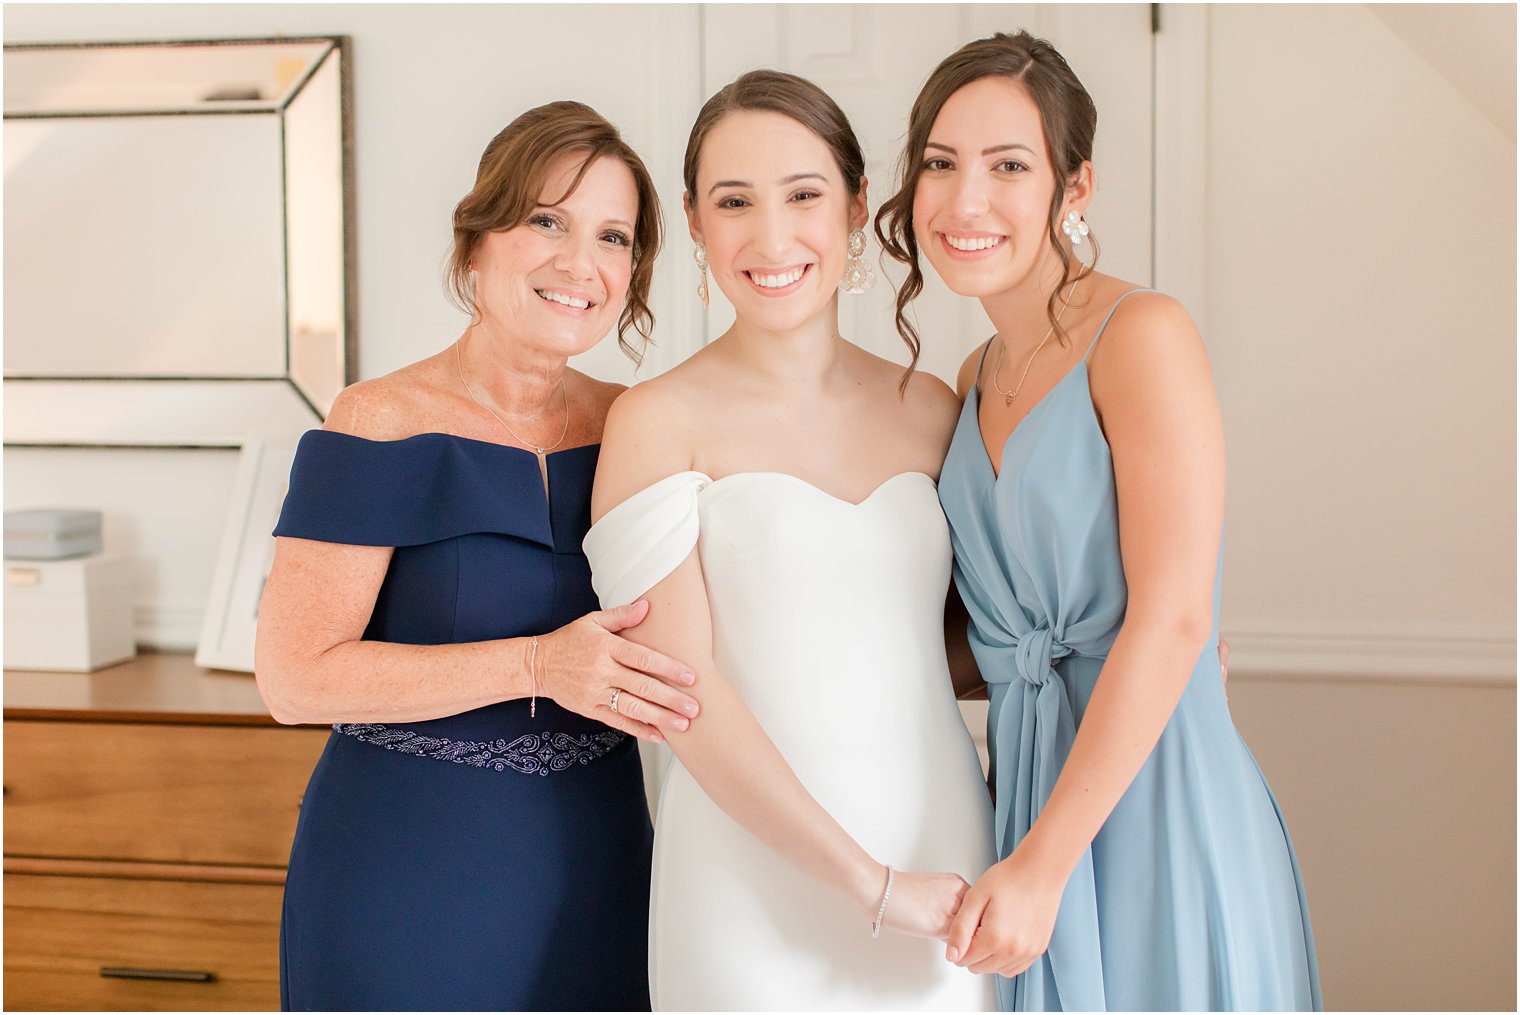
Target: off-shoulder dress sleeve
{"type": "Point", "coordinates": [645, 538]}
{"type": "Point", "coordinates": [426, 488]}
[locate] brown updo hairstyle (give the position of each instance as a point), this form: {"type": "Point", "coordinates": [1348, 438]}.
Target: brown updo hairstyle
{"type": "Point", "coordinates": [1070, 121]}
{"type": "Point", "coordinates": [511, 177]}
{"type": "Point", "coordinates": [774, 91]}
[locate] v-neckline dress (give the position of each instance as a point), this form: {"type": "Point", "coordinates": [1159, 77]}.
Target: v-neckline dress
{"type": "Point", "coordinates": [1190, 895]}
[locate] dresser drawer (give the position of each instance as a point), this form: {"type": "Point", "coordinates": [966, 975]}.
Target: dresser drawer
{"type": "Point", "coordinates": [60, 932]}
{"type": "Point", "coordinates": [181, 794]}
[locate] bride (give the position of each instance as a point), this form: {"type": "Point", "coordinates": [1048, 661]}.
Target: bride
{"type": "Point", "coordinates": [774, 499]}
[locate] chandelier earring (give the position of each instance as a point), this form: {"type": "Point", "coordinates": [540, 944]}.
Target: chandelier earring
{"type": "Point", "coordinates": [1075, 228]}
{"type": "Point", "coordinates": [858, 276]}
{"type": "Point", "coordinates": [700, 256]}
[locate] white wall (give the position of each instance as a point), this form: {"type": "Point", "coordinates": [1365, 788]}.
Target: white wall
{"type": "Point", "coordinates": [1345, 230]}
{"type": "Point", "coordinates": [1336, 204]}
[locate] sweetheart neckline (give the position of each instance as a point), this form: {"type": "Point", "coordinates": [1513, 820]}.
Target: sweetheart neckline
{"type": "Point", "coordinates": [818, 489]}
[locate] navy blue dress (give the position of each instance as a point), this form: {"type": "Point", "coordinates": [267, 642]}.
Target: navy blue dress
{"type": "Point", "coordinates": [486, 860]}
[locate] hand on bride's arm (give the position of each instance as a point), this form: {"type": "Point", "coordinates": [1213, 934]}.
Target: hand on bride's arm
{"type": "Point", "coordinates": [1005, 922]}
{"type": "Point", "coordinates": [923, 905]}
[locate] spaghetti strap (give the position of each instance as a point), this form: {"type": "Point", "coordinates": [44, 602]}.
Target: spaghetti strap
{"type": "Point", "coordinates": [1104, 327]}
{"type": "Point", "coordinates": [986, 348]}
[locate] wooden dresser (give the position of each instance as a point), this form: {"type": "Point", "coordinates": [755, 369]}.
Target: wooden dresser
{"type": "Point", "coordinates": [149, 810]}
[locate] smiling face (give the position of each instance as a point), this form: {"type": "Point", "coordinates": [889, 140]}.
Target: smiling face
{"type": "Point", "coordinates": [982, 204]}
{"type": "Point", "coordinates": [558, 280]}
{"type": "Point", "coordinates": [775, 215]}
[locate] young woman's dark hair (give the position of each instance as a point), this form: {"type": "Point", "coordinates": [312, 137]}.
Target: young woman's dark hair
{"type": "Point", "coordinates": [1070, 121]}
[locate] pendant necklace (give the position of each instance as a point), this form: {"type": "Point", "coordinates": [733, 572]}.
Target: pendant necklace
{"type": "Point", "coordinates": [537, 450]}
{"type": "Point", "coordinates": [1009, 396]}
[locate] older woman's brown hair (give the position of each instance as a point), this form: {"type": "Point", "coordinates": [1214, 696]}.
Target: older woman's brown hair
{"type": "Point", "coordinates": [1070, 121]}
{"type": "Point", "coordinates": [510, 180]}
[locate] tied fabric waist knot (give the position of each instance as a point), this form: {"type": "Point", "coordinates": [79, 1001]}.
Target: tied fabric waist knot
{"type": "Point", "coordinates": [1035, 652]}
{"type": "Point", "coordinates": [1031, 726]}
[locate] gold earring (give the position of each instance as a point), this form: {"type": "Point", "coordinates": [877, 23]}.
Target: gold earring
{"type": "Point", "coordinates": [700, 256]}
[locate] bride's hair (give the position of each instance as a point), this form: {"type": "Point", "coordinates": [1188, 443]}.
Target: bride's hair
{"type": "Point", "coordinates": [774, 91]}
{"type": "Point", "coordinates": [1069, 119]}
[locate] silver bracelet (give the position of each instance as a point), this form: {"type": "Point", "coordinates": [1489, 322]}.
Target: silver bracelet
{"type": "Point", "coordinates": [882, 910]}
{"type": "Point", "coordinates": [533, 676]}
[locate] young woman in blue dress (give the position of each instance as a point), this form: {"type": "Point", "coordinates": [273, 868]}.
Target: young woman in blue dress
{"type": "Point", "coordinates": [1145, 864]}
{"type": "Point", "coordinates": [475, 835]}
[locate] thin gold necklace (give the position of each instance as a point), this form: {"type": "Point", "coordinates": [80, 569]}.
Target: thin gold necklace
{"type": "Point", "coordinates": [1009, 396]}
{"type": "Point", "coordinates": [540, 451]}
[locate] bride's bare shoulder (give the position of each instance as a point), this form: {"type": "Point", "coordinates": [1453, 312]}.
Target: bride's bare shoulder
{"type": "Point", "coordinates": [652, 432]}
{"type": "Point", "coordinates": [673, 402]}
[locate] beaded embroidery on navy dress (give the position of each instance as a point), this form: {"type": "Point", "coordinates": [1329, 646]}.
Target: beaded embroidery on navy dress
{"type": "Point", "coordinates": [530, 754]}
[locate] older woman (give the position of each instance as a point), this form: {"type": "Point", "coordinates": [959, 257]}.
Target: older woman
{"type": "Point", "coordinates": [475, 835]}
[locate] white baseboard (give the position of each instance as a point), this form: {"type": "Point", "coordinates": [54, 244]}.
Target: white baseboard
{"type": "Point", "coordinates": [1482, 655]}
{"type": "Point", "coordinates": [169, 628]}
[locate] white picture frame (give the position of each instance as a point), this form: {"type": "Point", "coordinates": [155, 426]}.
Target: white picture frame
{"type": "Point", "coordinates": [246, 553]}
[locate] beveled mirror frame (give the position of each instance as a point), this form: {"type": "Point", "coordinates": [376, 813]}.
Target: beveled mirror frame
{"type": "Point", "coordinates": [196, 411]}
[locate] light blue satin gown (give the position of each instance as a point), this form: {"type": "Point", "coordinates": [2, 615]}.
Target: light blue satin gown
{"type": "Point", "coordinates": [1190, 896]}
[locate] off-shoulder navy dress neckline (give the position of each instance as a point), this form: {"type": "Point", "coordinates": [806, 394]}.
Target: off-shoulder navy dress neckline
{"type": "Point", "coordinates": [428, 434]}
{"type": "Point", "coordinates": [438, 486]}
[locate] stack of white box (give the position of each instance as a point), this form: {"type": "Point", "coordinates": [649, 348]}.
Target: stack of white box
{"type": "Point", "coordinates": [68, 606]}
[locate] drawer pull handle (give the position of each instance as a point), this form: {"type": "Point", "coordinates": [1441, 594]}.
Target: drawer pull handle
{"type": "Point", "coordinates": [179, 975]}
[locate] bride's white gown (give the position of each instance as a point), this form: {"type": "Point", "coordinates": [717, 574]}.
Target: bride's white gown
{"type": "Point", "coordinates": [827, 616]}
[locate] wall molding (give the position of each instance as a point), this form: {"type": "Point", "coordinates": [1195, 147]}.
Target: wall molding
{"type": "Point", "coordinates": [168, 627]}
{"type": "Point", "coordinates": [1180, 253]}
{"type": "Point", "coordinates": [1379, 652]}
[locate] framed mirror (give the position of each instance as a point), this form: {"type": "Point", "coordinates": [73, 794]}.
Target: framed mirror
{"type": "Point", "coordinates": [179, 248]}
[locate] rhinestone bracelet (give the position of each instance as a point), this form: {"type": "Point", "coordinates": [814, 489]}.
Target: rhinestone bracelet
{"type": "Point", "coordinates": [882, 910]}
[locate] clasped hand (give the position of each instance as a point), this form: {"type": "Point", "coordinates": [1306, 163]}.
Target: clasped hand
{"type": "Point", "coordinates": [1006, 919]}
{"type": "Point", "coordinates": [923, 905]}
{"type": "Point", "coordinates": [1002, 924]}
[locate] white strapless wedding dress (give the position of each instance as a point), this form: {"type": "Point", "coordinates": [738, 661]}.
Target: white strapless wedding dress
{"type": "Point", "coordinates": [828, 618]}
